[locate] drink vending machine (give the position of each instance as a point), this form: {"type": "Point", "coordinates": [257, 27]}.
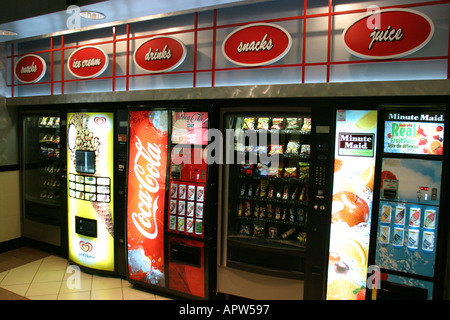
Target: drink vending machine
{"type": "Point", "coordinates": [409, 245]}
{"type": "Point", "coordinates": [171, 196]}
{"type": "Point", "coordinates": [96, 159]}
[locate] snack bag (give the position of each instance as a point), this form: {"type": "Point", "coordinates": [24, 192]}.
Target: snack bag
{"type": "Point", "coordinates": [303, 170]}
{"type": "Point", "coordinates": [276, 149]}
{"type": "Point", "coordinates": [290, 172]}
{"type": "Point", "coordinates": [305, 149]}
{"type": "Point", "coordinates": [306, 124]}
{"type": "Point", "coordinates": [292, 124]}
{"type": "Point", "coordinates": [249, 123]}
{"type": "Point", "coordinates": [277, 123]}
{"type": "Point", "coordinates": [293, 147]}
{"type": "Point", "coordinates": [263, 124]}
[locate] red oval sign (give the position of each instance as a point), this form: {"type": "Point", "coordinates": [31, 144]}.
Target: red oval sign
{"type": "Point", "coordinates": [159, 54]}
{"type": "Point", "coordinates": [256, 44]}
{"type": "Point", "coordinates": [388, 34]}
{"type": "Point", "coordinates": [87, 62]}
{"type": "Point", "coordinates": [30, 68]}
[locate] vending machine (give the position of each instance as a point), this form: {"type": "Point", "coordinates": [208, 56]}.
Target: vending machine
{"type": "Point", "coordinates": [410, 243]}
{"type": "Point", "coordinates": [171, 202]}
{"type": "Point", "coordinates": [42, 173]}
{"type": "Point", "coordinates": [96, 160]}
{"type": "Point", "coordinates": [275, 201]}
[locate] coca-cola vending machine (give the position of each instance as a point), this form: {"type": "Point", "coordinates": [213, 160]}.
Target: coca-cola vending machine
{"type": "Point", "coordinates": [170, 224]}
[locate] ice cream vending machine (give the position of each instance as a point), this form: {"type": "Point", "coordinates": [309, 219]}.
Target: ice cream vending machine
{"type": "Point", "coordinates": [408, 246]}
{"type": "Point", "coordinates": [96, 159]}
{"type": "Point", "coordinates": [170, 236]}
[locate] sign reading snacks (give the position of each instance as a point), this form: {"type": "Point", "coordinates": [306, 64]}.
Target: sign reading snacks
{"type": "Point", "coordinates": [30, 68]}
{"type": "Point", "coordinates": [159, 54]}
{"type": "Point", "coordinates": [388, 34]}
{"type": "Point", "coordinates": [256, 44]}
{"type": "Point", "coordinates": [87, 62]}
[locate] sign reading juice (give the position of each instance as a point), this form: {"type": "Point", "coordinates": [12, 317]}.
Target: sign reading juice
{"type": "Point", "coordinates": [354, 170]}
{"type": "Point", "coordinates": [146, 196]}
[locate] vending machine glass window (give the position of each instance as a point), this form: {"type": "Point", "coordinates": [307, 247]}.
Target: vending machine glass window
{"type": "Point", "coordinates": [408, 218]}
{"type": "Point", "coordinates": [42, 172]}
{"type": "Point", "coordinates": [268, 193]}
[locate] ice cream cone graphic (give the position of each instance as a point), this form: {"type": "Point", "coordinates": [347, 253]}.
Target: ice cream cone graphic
{"type": "Point", "coordinates": [104, 214]}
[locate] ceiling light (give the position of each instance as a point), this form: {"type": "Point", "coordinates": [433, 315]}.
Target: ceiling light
{"type": "Point", "coordinates": [7, 33]}
{"type": "Point", "coordinates": [92, 15]}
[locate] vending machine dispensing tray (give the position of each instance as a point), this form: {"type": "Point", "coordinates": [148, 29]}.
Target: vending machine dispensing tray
{"type": "Point", "coordinates": [263, 256]}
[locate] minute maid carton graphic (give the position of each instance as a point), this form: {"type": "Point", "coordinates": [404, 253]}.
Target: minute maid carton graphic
{"type": "Point", "coordinates": [90, 189]}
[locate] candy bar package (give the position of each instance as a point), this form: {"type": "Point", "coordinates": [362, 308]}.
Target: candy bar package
{"type": "Point", "coordinates": [264, 185]}
{"type": "Point", "coordinates": [292, 124]}
{"type": "Point", "coordinates": [245, 228]}
{"type": "Point", "coordinates": [249, 123]}
{"type": "Point", "coordinates": [290, 172]}
{"type": "Point", "coordinates": [305, 149]}
{"type": "Point", "coordinates": [240, 209]}
{"type": "Point", "coordinates": [303, 170]}
{"type": "Point", "coordinates": [277, 124]}
{"type": "Point", "coordinates": [269, 211]}
{"type": "Point", "coordinates": [247, 168]}
{"type": "Point", "coordinates": [293, 147]}
{"type": "Point", "coordinates": [250, 190]}
{"type": "Point", "coordinates": [306, 124]}
{"type": "Point", "coordinates": [263, 169]}
{"type": "Point", "coordinates": [263, 124]}
{"type": "Point", "coordinates": [256, 211]}
{"type": "Point", "coordinates": [270, 192]}
{"type": "Point", "coordinates": [273, 232]}
{"type": "Point", "coordinates": [247, 208]}
{"type": "Point", "coordinates": [259, 228]}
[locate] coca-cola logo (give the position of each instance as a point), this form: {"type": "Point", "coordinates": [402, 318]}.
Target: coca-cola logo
{"type": "Point", "coordinates": [388, 34]}
{"type": "Point", "coordinates": [159, 54]}
{"type": "Point", "coordinates": [256, 44]}
{"type": "Point", "coordinates": [87, 62]}
{"type": "Point", "coordinates": [146, 170]}
{"type": "Point", "coordinates": [100, 120]}
{"type": "Point", "coordinates": [30, 68]}
{"type": "Point", "coordinates": [86, 246]}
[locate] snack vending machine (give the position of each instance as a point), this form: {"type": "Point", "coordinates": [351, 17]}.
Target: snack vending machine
{"type": "Point", "coordinates": [275, 203]}
{"type": "Point", "coordinates": [42, 172]}
{"type": "Point", "coordinates": [171, 221]}
{"type": "Point", "coordinates": [96, 159]}
{"type": "Point", "coordinates": [411, 220]}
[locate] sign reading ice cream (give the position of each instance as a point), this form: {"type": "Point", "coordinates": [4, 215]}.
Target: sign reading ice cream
{"type": "Point", "coordinates": [387, 34]}
{"type": "Point", "coordinates": [159, 54]}
{"type": "Point", "coordinates": [256, 44]}
{"type": "Point", "coordinates": [30, 68]}
{"type": "Point", "coordinates": [87, 62]}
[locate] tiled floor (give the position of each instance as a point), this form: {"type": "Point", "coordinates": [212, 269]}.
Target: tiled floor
{"type": "Point", "coordinates": [27, 273]}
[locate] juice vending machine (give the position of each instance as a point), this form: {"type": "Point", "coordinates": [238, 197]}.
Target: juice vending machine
{"type": "Point", "coordinates": [409, 245]}
{"type": "Point", "coordinates": [96, 159]}
{"type": "Point", "coordinates": [170, 219]}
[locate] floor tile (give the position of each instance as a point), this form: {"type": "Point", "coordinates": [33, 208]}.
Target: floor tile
{"type": "Point", "coordinates": [44, 288]}
{"type": "Point", "coordinates": [107, 294]}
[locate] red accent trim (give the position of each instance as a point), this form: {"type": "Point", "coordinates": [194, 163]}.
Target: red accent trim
{"type": "Point", "coordinates": [214, 70]}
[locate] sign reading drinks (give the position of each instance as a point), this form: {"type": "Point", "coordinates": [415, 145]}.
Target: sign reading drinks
{"type": "Point", "coordinates": [146, 196]}
{"type": "Point", "coordinates": [387, 34]}
{"type": "Point", "coordinates": [159, 54]}
{"type": "Point", "coordinates": [256, 45]}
